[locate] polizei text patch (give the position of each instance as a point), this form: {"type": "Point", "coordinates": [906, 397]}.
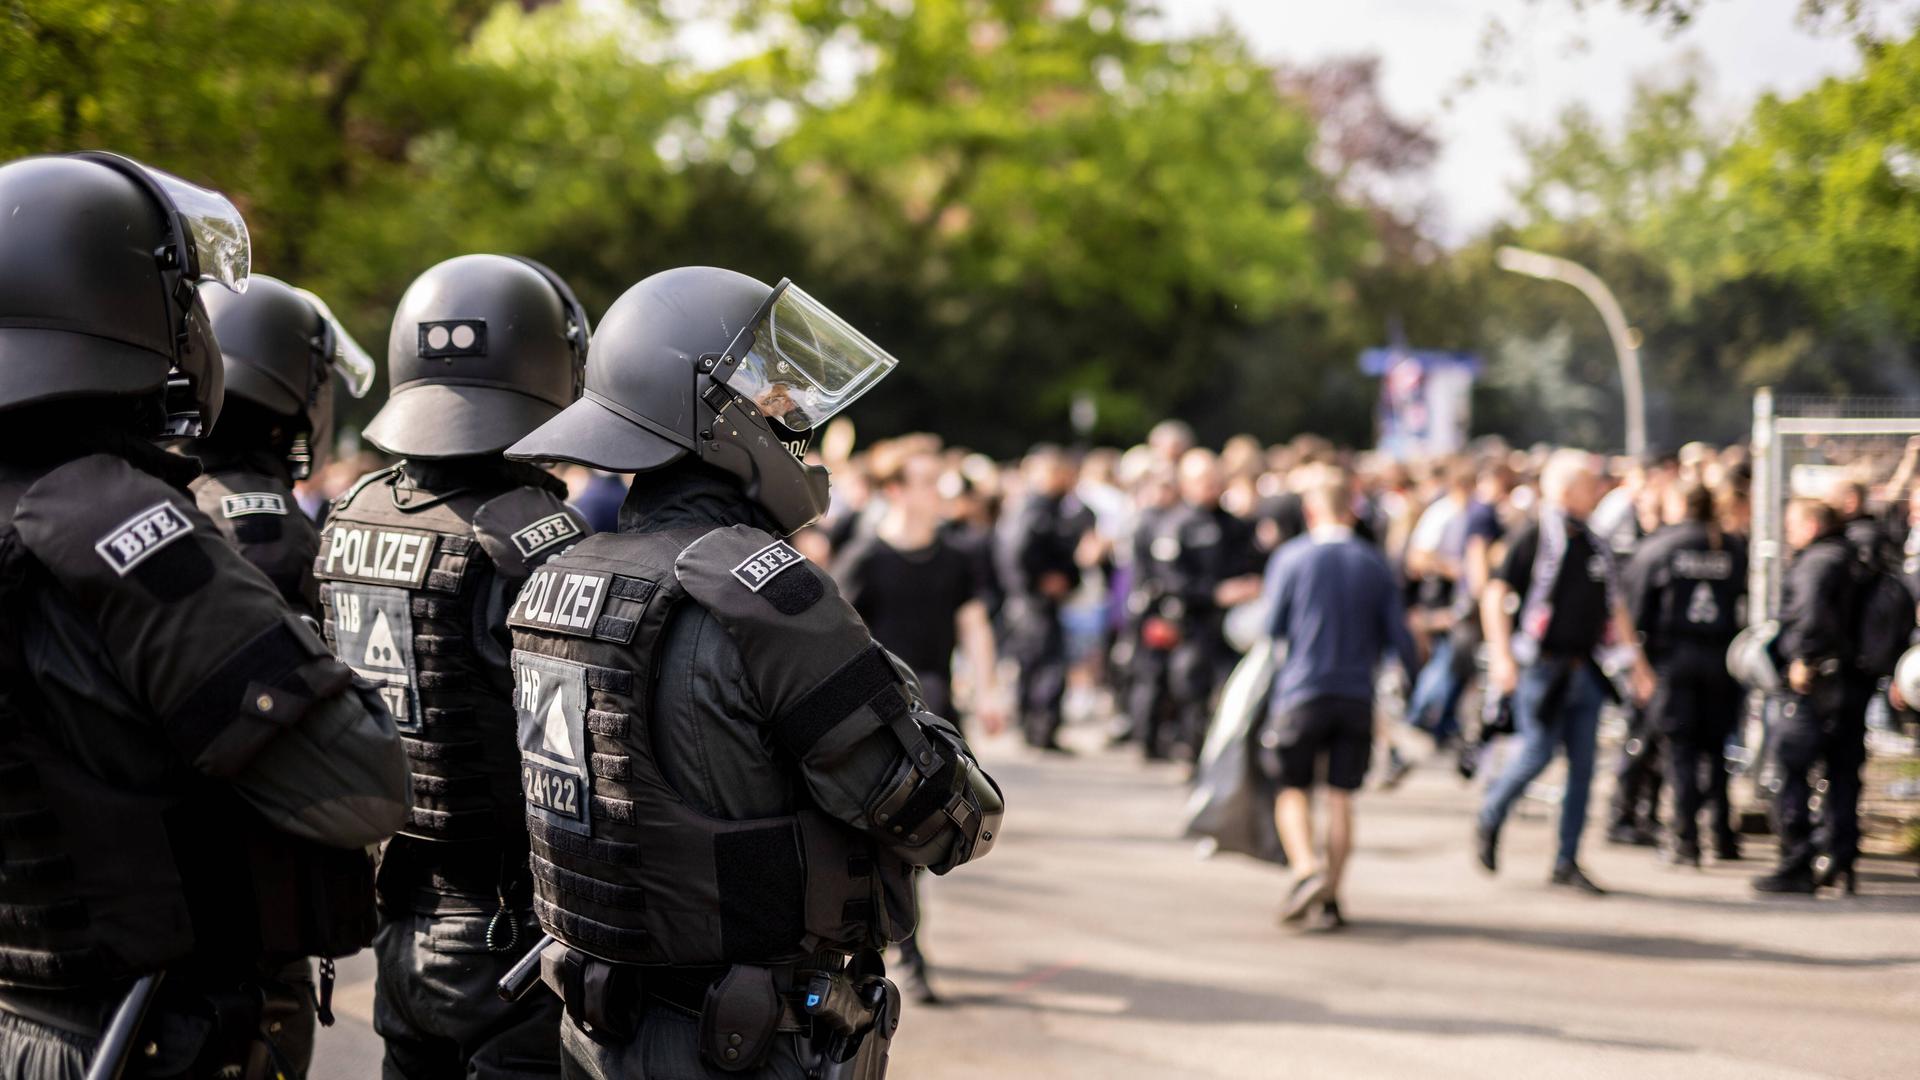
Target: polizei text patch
{"type": "Point", "coordinates": [378, 556]}
{"type": "Point", "coordinates": [564, 601]}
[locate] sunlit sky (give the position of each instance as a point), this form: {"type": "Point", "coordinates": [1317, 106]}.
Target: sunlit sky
{"type": "Point", "coordinates": [1555, 55]}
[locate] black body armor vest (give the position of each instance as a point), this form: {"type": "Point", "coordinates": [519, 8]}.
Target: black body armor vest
{"type": "Point", "coordinates": [256, 510]}
{"type": "Point", "coordinates": [115, 857]}
{"type": "Point", "coordinates": [1700, 589]}
{"type": "Point", "coordinates": [405, 577]}
{"type": "Point", "coordinates": [624, 868]}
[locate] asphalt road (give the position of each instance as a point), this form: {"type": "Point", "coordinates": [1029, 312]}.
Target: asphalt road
{"type": "Point", "coordinates": [1093, 943]}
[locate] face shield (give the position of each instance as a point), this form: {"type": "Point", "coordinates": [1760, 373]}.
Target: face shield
{"type": "Point", "coordinates": [212, 236]}
{"type": "Point", "coordinates": [221, 249]}
{"type": "Point", "coordinates": [210, 243]}
{"type": "Point", "coordinates": [344, 355]}
{"type": "Point", "coordinates": [799, 363]}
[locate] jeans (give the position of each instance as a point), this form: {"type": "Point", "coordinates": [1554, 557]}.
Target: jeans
{"type": "Point", "coordinates": [1434, 705]}
{"type": "Point", "coordinates": [1556, 705]}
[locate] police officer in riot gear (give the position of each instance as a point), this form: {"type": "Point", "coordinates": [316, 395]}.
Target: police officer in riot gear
{"type": "Point", "coordinates": [280, 348]}
{"type": "Point", "coordinates": [1686, 589]}
{"type": "Point", "coordinates": [728, 784]}
{"type": "Point", "coordinates": [1199, 560]}
{"type": "Point", "coordinates": [188, 778]}
{"type": "Point", "coordinates": [419, 564]}
{"type": "Point", "coordinates": [1822, 718]}
{"type": "Point", "coordinates": [1036, 556]}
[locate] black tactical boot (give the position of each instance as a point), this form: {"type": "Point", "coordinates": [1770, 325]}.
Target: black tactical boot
{"type": "Point", "coordinates": [1787, 880]}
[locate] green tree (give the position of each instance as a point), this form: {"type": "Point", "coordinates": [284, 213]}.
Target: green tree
{"type": "Point", "coordinates": [1027, 201]}
{"type": "Point", "coordinates": [1826, 192]}
{"type": "Point", "coordinates": [1056, 206]}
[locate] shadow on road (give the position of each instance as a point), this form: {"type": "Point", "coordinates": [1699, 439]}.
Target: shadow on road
{"type": "Point", "coordinates": [1645, 946]}
{"type": "Point", "coordinates": [1186, 1002]}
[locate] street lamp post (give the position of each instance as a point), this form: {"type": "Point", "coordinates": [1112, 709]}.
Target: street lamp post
{"type": "Point", "coordinates": [1554, 268]}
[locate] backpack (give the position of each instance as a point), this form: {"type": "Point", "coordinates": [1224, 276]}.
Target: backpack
{"type": "Point", "coordinates": [1883, 615]}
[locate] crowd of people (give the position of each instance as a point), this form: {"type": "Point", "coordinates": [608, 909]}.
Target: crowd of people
{"type": "Point", "coordinates": [1519, 590]}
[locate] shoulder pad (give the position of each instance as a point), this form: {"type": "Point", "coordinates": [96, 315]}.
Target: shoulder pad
{"type": "Point", "coordinates": [99, 518]}
{"type": "Point", "coordinates": [228, 496]}
{"type": "Point", "coordinates": [726, 563]}
{"type": "Point", "coordinates": [172, 599]}
{"type": "Point", "coordinates": [524, 528]}
{"type": "Point", "coordinates": [789, 620]}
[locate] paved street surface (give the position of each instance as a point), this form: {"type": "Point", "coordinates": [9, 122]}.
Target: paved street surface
{"type": "Point", "coordinates": [1093, 944]}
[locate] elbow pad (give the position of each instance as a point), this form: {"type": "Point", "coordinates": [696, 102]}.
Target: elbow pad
{"type": "Point", "coordinates": [938, 805]}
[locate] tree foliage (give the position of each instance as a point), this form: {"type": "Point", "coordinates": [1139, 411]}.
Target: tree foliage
{"type": "Point", "coordinates": [1030, 201]}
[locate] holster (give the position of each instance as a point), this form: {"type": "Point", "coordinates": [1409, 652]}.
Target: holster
{"type": "Point", "coordinates": [602, 998]}
{"type": "Point", "coordinates": [860, 1053]}
{"type": "Point", "coordinates": [741, 1015]}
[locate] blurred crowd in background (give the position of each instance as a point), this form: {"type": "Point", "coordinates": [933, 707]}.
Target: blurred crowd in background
{"type": "Point", "coordinates": [1101, 563]}
{"type": "Point", "coordinates": [1113, 591]}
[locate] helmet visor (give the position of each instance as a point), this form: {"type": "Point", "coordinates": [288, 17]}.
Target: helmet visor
{"type": "Point", "coordinates": [806, 363]}
{"type": "Point", "coordinates": [221, 247]}
{"type": "Point", "coordinates": [347, 357]}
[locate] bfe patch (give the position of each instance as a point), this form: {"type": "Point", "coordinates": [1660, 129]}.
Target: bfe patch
{"type": "Point", "coordinates": [373, 633]}
{"type": "Point", "coordinates": [550, 700]}
{"type": "Point", "coordinates": [545, 533]}
{"type": "Point", "coordinates": [766, 564]}
{"type": "Point", "coordinates": [136, 539]}
{"type": "Point", "coordinates": [244, 503]}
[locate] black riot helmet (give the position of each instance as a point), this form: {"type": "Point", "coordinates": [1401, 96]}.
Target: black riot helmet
{"type": "Point", "coordinates": [101, 259]}
{"type": "Point", "coordinates": [280, 347]}
{"type": "Point", "coordinates": [484, 349]}
{"type": "Point", "coordinates": [710, 362]}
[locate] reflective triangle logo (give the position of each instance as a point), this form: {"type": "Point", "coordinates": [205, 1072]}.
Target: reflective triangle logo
{"type": "Point", "coordinates": [554, 738]}
{"type": "Point", "coordinates": [381, 651]}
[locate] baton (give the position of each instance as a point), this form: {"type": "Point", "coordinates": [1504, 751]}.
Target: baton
{"type": "Point", "coordinates": [521, 976]}
{"type": "Point", "coordinates": [116, 1043]}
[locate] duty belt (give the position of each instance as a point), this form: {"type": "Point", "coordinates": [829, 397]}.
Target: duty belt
{"type": "Point", "coordinates": [848, 1012]}
{"type": "Point", "coordinates": [667, 987]}
{"type": "Point", "coordinates": [611, 998]}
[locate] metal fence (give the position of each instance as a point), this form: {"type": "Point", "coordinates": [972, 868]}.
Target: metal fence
{"type": "Point", "coordinates": [1801, 446]}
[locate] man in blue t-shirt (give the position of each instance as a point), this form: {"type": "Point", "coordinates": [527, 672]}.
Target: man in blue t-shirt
{"type": "Point", "coordinates": [1336, 604]}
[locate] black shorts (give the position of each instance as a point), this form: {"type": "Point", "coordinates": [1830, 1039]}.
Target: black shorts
{"type": "Point", "coordinates": [1328, 740]}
